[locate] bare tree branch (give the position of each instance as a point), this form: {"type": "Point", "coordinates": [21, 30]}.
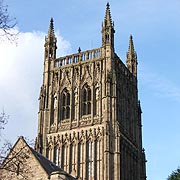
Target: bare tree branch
{"type": "Point", "coordinates": [7, 23]}
{"type": "Point", "coordinates": [3, 121]}
{"type": "Point", "coordinates": [16, 163]}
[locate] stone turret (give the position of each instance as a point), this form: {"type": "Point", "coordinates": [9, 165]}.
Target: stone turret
{"type": "Point", "coordinates": [108, 29]}
{"type": "Point", "coordinates": [50, 42]}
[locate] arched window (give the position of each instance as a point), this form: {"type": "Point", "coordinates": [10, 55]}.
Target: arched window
{"type": "Point", "coordinates": [107, 38]}
{"type": "Point", "coordinates": [65, 104]}
{"type": "Point", "coordinates": [86, 100]}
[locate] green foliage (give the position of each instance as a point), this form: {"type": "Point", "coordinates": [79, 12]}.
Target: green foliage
{"type": "Point", "coordinates": [175, 175]}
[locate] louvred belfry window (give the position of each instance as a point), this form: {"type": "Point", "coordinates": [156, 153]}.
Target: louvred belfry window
{"type": "Point", "coordinates": [65, 104]}
{"type": "Point", "coordinates": [86, 100]}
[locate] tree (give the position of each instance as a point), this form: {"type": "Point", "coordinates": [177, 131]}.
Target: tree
{"type": "Point", "coordinates": [3, 121]}
{"type": "Point", "coordinates": [7, 23]}
{"type": "Point", "coordinates": [13, 160]}
{"type": "Point", "coordinates": [175, 175]}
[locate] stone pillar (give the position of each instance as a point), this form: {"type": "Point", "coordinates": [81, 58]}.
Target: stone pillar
{"type": "Point", "coordinates": [117, 159]}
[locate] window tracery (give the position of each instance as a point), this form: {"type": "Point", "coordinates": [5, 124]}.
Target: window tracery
{"type": "Point", "coordinates": [65, 104]}
{"type": "Point", "coordinates": [86, 100]}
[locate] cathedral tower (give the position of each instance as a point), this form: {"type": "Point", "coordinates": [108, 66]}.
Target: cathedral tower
{"type": "Point", "coordinates": [89, 120]}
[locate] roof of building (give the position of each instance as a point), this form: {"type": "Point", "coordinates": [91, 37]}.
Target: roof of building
{"type": "Point", "coordinates": [49, 167]}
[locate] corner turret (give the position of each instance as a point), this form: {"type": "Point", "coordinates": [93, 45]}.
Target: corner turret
{"type": "Point", "coordinates": [44, 99]}
{"type": "Point", "coordinates": [50, 42]}
{"type": "Point", "coordinates": [108, 29]}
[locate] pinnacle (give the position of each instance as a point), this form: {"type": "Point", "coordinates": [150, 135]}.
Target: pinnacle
{"type": "Point", "coordinates": [131, 45]}
{"type": "Point", "coordinates": [107, 18]}
{"type": "Point", "coordinates": [51, 28]}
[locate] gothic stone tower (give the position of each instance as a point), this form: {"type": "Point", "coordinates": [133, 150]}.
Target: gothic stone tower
{"type": "Point", "coordinates": [89, 115]}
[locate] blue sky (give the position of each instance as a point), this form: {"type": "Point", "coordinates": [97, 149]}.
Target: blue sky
{"type": "Point", "coordinates": [155, 27]}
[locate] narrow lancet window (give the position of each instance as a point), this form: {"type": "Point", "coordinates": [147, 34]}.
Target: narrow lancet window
{"type": "Point", "coordinates": [86, 100]}
{"type": "Point", "coordinates": [65, 104]}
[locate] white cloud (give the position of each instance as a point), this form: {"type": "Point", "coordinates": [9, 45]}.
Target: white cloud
{"type": "Point", "coordinates": [21, 69]}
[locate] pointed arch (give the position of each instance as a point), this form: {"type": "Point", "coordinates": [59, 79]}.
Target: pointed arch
{"type": "Point", "coordinates": [65, 110]}
{"type": "Point", "coordinates": [86, 100]}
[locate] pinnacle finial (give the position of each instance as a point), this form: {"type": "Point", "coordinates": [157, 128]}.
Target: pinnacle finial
{"type": "Point", "coordinates": [51, 28]}
{"type": "Point", "coordinates": [131, 60]}
{"type": "Point", "coordinates": [107, 19]}
{"type": "Point", "coordinates": [79, 50]}
{"type": "Point", "coordinates": [131, 44]}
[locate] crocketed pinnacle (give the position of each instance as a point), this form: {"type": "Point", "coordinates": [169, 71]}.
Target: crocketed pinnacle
{"type": "Point", "coordinates": [131, 45]}
{"type": "Point", "coordinates": [107, 19]}
{"type": "Point", "coordinates": [131, 51]}
{"type": "Point", "coordinates": [51, 29]}
{"type": "Point", "coordinates": [131, 56]}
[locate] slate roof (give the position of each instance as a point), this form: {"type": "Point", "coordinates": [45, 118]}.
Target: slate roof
{"type": "Point", "coordinates": [46, 164]}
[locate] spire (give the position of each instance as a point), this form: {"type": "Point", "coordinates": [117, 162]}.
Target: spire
{"type": "Point", "coordinates": [51, 29]}
{"type": "Point", "coordinates": [131, 54]}
{"type": "Point", "coordinates": [108, 29]}
{"type": "Point", "coordinates": [131, 45]}
{"type": "Point", "coordinates": [131, 60]}
{"type": "Point", "coordinates": [50, 42]}
{"type": "Point", "coordinates": [107, 19]}
{"type": "Point", "coordinates": [131, 51]}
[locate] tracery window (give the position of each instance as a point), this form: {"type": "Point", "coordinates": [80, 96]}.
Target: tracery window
{"type": "Point", "coordinates": [86, 100]}
{"type": "Point", "coordinates": [65, 104]}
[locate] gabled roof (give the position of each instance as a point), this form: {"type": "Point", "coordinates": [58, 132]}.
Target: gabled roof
{"type": "Point", "coordinates": [48, 166]}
